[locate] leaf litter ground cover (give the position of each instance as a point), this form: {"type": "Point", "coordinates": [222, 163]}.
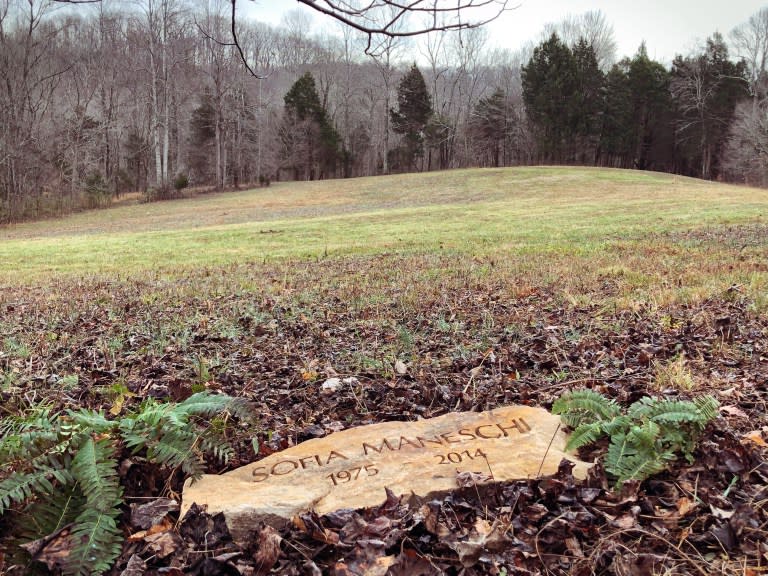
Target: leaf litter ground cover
{"type": "Point", "coordinates": [416, 349]}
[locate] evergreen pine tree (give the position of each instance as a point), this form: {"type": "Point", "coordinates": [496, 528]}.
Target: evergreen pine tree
{"type": "Point", "coordinates": [414, 110]}
{"type": "Point", "coordinates": [616, 135]}
{"type": "Point", "coordinates": [202, 134]}
{"type": "Point", "coordinates": [563, 95]}
{"type": "Point", "coordinates": [490, 127]}
{"type": "Point", "coordinates": [311, 146]}
{"type": "Point", "coordinates": [651, 136]}
{"type": "Point", "coordinates": [549, 82]}
{"type": "Point", "coordinates": [586, 104]}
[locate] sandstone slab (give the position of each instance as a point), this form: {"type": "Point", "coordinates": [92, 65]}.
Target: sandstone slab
{"type": "Point", "coordinates": [352, 468]}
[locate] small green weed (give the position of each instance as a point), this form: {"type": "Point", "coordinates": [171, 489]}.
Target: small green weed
{"type": "Point", "coordinates": [16, 348]}
{"type": "Point", "coordinates": [202, 372]}
{"type": "Point", "coordinates": [673, 375]}
{"type": "Point", "coordinates": [69, 382]}
{"type": "Point", "coordinates": [405, 339]}
{"type": "Point", "coordinates": [7, 380]}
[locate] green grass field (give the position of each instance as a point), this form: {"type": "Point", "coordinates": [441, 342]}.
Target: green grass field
{"type": "Point", "coordinates": [659, 236]}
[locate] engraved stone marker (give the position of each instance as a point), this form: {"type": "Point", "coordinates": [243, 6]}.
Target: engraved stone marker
{"type": "Point", "coordinates": [351, 469]}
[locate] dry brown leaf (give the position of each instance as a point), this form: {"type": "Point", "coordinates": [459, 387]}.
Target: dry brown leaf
{"type": "Point", "coordinates": [117, 405]}
{"type": "Point", "coordinates": [164, 544]}
{"type": "Point", "coordinates": [52, 550]}
{"type": "Point", "coordinates": [734, 411]}
{"type": "Point", "coordinates": [469, 479]}
{"type": "Point", "coordinates": [574, 547]}
{"type": "Point", "coordinates": [720, 513]}
{"type": "Point", "coordinates": [755, 437]}
{"type": "Point", "coordinates": [310, 524]}
{"type": "Point", "coordinates": [378, 567]}
{"type": "Point", "coordinates": [484, 536]}
{"type": "Point", "coordinates": [625, 522]}
{"type": "Point", "coordinates": [684, 535]}
{"type": "Point", "coordinates": [137, 536]}
{"type": "Point", "coordinates": [135, 567]}
{"type": "Point", "coordinates": [153, 513]}
{"type": "Point", "coordinates": [308, 375]}
{"type": "Point", "coordinates": [686, 506]}
{"type": "Point", "coordinates": [268, 551]}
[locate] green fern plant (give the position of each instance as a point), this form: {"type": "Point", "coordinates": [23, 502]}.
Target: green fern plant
{"type": "Point", "coordinates": [59, 470]}
{"type": "Point", "coordinates": [645, 439]}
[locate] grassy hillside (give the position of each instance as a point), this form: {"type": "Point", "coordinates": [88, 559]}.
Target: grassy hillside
{"type": "Point", "coordinates": [542, 222]}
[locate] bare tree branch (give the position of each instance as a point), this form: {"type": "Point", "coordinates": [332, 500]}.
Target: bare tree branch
{"type": "Point", "coordinates": [439, 15]}
{"type": "Point", "coordinates": [381, 18]}
{"type": "Point", "coordinates": [235, 41]}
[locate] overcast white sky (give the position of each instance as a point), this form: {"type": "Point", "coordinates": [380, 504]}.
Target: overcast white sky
{"type": "Point", "coordinates": [669, 27]}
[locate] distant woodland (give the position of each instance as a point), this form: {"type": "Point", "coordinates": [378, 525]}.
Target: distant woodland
{"type": "Point", "coordinates": [100, 100]}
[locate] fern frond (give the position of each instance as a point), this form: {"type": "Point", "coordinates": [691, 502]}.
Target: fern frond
{"type": "Point", "coordinates": [177, 448]}
{"type": "Point", "coordinates": [638, 466]}
{"type": "Point", "coordinates": [48, 515]}
{"type": "Point", "coordinates": [36, 418]}
{"type": "Point", "coordinates": [19, 487]}
{"type": "Point", "coordinates": [45, 456]}
{"type": "Point", "coordinates": [136, 434]}
{"type": "Point", "coordinates": [91, 420]}
{"type": "Point", "coordinates": [635, 455]}
{"type": "Point", "coordinates": [213, 443]}
{"type": "Point", "coordinates": [95, 468]}
{"type": "Point", "coordinates": [96, 543]}
{"type": "Point", "coordinates": [617, 424]}
{"type": "Point", "coordinates": [585, 406]}
{"type": "Point", "coordinates": [644, 437]}
{"type": "Point", "coordinates": [619, 448]}
{"type": "Point", "coordinates": [707, 406]}
{"type": "Point", "coordinates": [95, 536]}
{"type": "Point", "coordinates": [207, 405]}
{"type": "Point", "coordinates": [662, 410]}
{"type": "Point", "coordinates": [26, 444]}
{"type": "Point", "coordinates": [585, 434]}
{"type": "Point", "coordinates": [172, 438]}
{"type": "Point", "coordinates": [151, 412]}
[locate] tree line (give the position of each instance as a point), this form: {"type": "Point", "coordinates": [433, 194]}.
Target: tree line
{"type": "Point", "coordinates": [98, 101]}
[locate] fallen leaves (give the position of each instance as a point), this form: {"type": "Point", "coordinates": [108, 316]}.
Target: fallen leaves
{"type": "Point", "coordinates": [332, 361]}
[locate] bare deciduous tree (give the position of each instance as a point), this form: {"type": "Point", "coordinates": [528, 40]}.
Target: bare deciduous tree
{"type": "Point", "coordinates": [593, 27]}
{"type": "Point", "coordinates": [30, 72]}
{"type": "Point", "coordinates": [746, 152]}
{"type": "Point", "coordinates": [750, 41]}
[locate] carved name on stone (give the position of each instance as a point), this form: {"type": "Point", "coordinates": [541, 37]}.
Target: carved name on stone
{"type": "Point", "coordinates": [351, 469]}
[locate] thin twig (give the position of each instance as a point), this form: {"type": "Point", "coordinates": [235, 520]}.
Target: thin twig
{"type": "Point", "coordinates": [551, 440]}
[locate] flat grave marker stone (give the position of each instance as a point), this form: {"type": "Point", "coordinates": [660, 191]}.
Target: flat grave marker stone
{"type": "Point", "coordinates": [352, 468]}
